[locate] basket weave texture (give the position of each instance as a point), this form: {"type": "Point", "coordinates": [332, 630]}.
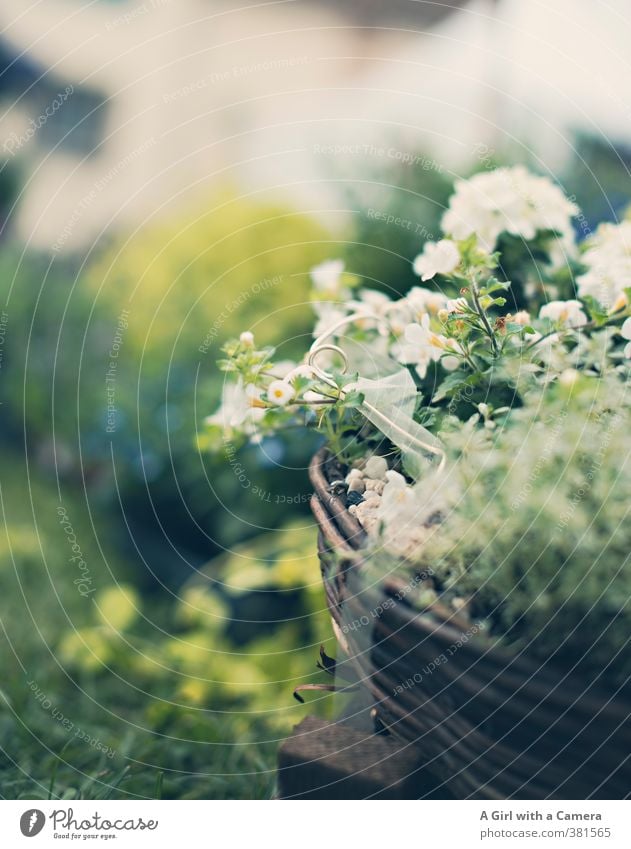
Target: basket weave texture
{"type": "Point", "coordinates": [489, 723]}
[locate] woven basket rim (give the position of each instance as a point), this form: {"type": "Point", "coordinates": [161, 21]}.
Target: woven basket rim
{"type": "Point", "coordinates": [346, 536]}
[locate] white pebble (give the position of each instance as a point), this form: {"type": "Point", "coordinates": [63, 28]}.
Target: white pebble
{"type": "Point", "coordinates": [376, 467]}
{"type": "Point", "coordinates": [356, 485]}
{"type": "Point", "coordinates": [365, 516]}
{"type": "Point", "coordinates": [372, 498]}
{"type": "Point", "coordinates": [354, 474]}
{"type": "Point", "coordinates": [375, 486]}
{"type": "Point", "coordinates": [395, 478]}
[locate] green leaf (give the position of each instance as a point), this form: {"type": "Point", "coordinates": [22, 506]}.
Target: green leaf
{"type": "Point", "coordinates": [597, 312]}
{"type": "Point", "coordinates": [353, 399]}
{"type": "Point", "coordinates": [412, 465]}
{"type": "Point", "coordinates": [226, 365]}
{"type": "Point", "coordinates": [495, 285]}
{"type": "Point", "coordinates": [452, 384]}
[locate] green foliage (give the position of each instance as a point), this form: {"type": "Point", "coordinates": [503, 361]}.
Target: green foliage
{"type": "Point", "coordinates": [117, 694]}
{"type": "Point", "coordinates": [394, 213]}
{"type": "Point", "coordinates": [187, 285]}
{"type": "Point", "coordinates": [535, 526]}
{"type": "Point", "coordinates": [146, 321]}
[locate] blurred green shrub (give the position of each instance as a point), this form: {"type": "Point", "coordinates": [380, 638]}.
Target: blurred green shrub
{"type": "Point", "coordinates": [109, 371]}
{"type": "Point", "coordinates": [183, 287]}
{"type": "Point", "coordinates": [245, 630]}
{"type": "Point", "coordinates": [599, 176]}
{"type": "Point", "coordinates": [154, 696]}
{"type": "Point", "coordinates": [396, 209]}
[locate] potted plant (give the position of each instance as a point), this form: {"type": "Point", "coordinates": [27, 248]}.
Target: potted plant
{"type": "Point", "coordinates": [473, 488]}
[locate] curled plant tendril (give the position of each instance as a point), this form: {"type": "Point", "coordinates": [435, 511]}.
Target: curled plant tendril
{"type": "Point", "coordinates": [390, 419]}
{"type": "Point", "coordinates": [324, 376]}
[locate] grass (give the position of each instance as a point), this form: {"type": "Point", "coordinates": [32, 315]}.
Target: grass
{"type": "Point", "coordinates": [114, 695]}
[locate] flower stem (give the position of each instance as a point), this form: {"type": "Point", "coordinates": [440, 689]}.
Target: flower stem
{"type": "Point", "coordinates": [483, 316]}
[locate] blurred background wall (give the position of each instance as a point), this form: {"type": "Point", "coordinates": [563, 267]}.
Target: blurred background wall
{"type": "Point", "coordinates": [171, 97]}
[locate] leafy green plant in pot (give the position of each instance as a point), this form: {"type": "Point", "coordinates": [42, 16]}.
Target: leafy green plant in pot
{"type": "Point", "coordinates": [472, 495]}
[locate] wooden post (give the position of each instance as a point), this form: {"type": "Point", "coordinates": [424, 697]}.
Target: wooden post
{"type": "Point", "coordinates": [332, 760]}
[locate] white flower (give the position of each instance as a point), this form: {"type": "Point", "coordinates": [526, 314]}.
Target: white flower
{"type": "Point", "coordinates": [569, 313]}
{"type": "Point", "coordinates": [240, 406]}
{"type": "Point", "coordinates": [329, 314]}
{"type": "Point", "coordinates": [399, 314]}
{"type": "Point", "coordinates": [625, 332]}
{"type": "Point", "coordinates": [371, 303]}
{"type": "Point", "coordinates": [441, 257]}
{"type": "Point", "coordinates": [247, 339]}
{"type": "Point", "coordinates": [458, 305]}
{"type": "Point", "coordinates": [608, 261]}
{"type": "Point", "coordinates": [399, 504]}
{"type": "Point", "coordinates": [522, 317]}
{"type": "Point", "coordinates": [420, 301]}
{"type": "Point", "coordinates": [284, 368]}
{"type": "Point", "coordinates": [422, 346]}
{"type": "Point", "coordinates": [280, 393]}
{"type": "Point", "coordinates": [507, 200]}
{"type": "Point", "coordinates": [326, 277]}
{"type": "Point", "coordinates": [568, 377]}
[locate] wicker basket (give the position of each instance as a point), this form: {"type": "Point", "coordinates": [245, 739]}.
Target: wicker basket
{"type": "Point", "coordinates": [489, 724]}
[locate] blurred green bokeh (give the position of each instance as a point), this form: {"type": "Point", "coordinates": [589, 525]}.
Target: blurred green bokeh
{"type": "Point", "coordinates": [184, 699]}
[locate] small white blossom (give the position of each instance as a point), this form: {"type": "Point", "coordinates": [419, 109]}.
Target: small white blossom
{"type": "Point", "coordinates": [422, 346]}
{"type": "Point", "coordinates": [608, 261]}
{"type": "Point", "coordinates": [510, 200]}
{"type": "Point", "coordinates": [327, 276]}
{"type": "Point", "coordinates": [284, 368]}
{"type": "Point", "coordinates": [329, 314]}
{"type": "Point", "coordinates": [458, 305]}
{"type": "Point", "coordinates": [568, 377]}
{"type": "Point", "coordinates": [441, 257]}
{"type": "Point", "coordinates": [522, 317]}
{"type": "Point", "coordinates": [280, 392]}
{"type": "Point", "coordinates": [247, 339]}
{"type": "Point", "coordinates": [240, 406]}
{"type": "Point", "coordinates": [375, 305]}
{"type": "Point", "coordinates": [372, 301]}
{"type": "Point", "coordinates": [399, 508]}
{"type": "Point", "coordinates": [569, 313]}
{"type": "Point", "coordinates": [421, 301]}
